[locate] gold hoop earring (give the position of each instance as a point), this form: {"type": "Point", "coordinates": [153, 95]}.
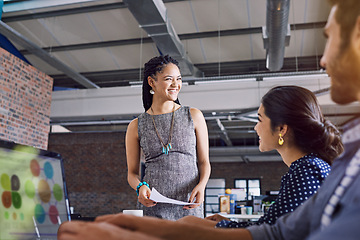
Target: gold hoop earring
{"type": "Point", "coordinates": [152, 92]}
{"type": "Point", "coordinates": [281, 140]}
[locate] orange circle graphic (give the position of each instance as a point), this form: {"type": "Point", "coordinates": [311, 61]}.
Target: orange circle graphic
{"type": "Point", "coordinates": [44, 191]}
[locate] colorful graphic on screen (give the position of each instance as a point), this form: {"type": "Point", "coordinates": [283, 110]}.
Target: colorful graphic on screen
{"type": "Point", "coordinates": [33, 204]}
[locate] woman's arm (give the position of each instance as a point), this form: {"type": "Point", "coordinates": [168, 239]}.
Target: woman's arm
{"type": "Point", "coordinates": [202, 151]}
{"type": "Point", "coordinates": [172, 230]}
{"type": "Point", "coordinates": [133, 163]}
{"type": "Point", "coordinates": [80, 230]}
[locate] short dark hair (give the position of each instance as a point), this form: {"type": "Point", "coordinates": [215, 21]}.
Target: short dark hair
{"type": "Point", "coordinates": [298, 108]}
{"type": "Point", "coordinates": [346, 14]}
{"type": "Point", "coordinates": [154, 65]}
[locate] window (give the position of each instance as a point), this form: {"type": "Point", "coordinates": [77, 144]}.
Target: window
{"type": "Point", "coordinates": [251, 187]}
{"type": "Point", "coordinates": [214, 188]}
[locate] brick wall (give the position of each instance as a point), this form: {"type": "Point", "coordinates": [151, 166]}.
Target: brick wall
{"type": "Point", "coordinates": [96, 172]}
{"type": "Point", "coordinates": [25, 99]}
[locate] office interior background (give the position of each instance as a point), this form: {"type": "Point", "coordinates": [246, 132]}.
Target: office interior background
{"type": "Point", "coordinates": [89, 56]}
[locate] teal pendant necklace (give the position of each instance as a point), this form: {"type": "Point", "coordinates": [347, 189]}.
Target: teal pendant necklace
{"type": "Point", "coordinates": [165, 147]}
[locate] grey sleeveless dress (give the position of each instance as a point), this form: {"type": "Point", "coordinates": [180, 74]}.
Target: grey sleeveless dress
{"type": "Point", "coordinates": [173, 175]}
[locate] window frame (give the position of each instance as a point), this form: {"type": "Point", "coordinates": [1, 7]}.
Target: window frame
{"type": "Point", "coordinates": [247, 185]}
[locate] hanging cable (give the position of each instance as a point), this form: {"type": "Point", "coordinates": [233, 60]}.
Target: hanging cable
{"type": "Point", "coordinates": [219, 55]}
{"type": "Point", "coordinates": [141, 49]}
{"type": "Point", "coordinates": [296, 54]}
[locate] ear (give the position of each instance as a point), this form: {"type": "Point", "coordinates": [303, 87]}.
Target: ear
{"type": "Point", "coordinates": [356, 35]}
{"type": "Point", "coordinates": [150, 81]}
{"type": "Point", "coordinates": [283, 129]}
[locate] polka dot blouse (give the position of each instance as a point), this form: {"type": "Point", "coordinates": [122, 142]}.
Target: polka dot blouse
{"type": "Point", "coordinates": [303, 179]}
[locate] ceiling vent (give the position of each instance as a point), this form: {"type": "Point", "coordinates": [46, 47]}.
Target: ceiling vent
{"type": "Point", "coordinates": [152, 17]}
{"type": "Point", "coordinates": [276, 33]}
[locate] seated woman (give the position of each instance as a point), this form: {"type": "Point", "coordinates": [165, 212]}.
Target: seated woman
{"type": "Point", "coordinates": [291, 122]}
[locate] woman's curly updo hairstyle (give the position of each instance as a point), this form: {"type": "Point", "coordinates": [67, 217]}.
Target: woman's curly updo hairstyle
{"type": "Point", "coordinates": [298, 108]}
{"type": "Point", "coordinates": [153, 66]}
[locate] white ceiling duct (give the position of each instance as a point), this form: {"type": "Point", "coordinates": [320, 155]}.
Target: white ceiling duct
{"type": "Point", "coordinates": [276, 33]}
{"type": "Point", "coordinates": [152, 17]}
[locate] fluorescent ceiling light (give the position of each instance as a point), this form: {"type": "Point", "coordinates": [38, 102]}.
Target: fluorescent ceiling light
{"type": "Point", "coordinates": [59, 129]}
{"type": "Point", "coordinates": [226, 81]}
{"type": "Point", "coordinates": [297, 77]}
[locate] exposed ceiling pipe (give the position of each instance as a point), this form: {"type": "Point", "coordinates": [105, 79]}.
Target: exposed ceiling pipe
{"type": "Point", "coordinates": [223, 133]}
{"type": "Point", "coordinates": [152, 17]}
{"type": "Point", "coordinates": [276, 33]}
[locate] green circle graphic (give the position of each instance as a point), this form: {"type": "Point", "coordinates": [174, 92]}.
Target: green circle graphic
{"type": "Point", "coordinates": [7, 215]}
{"type": "Point", "coordinates": [30, 189]}
{"type": "Point", "coordinates": [58, 193]}
{"type": "Point", "coordinates": [5, 181]}
{"type": "Point", "coordinates": [16, 198]}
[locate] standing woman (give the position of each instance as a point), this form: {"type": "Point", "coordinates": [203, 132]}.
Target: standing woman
{"type": "Point", "coordinates": [291, 122]}
{"type": "Point", "coordinates": [174, 140]}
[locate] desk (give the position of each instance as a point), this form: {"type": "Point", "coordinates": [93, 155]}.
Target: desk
{"type": "Point", "coordinates": [241, 216]}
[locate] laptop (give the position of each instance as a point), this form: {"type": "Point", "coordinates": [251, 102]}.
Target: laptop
{"type": "Point", "coordinates": [34, 200]}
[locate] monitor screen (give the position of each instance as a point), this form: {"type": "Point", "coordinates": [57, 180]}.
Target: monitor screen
{"type": "Point", "coordinates": [33, 193]}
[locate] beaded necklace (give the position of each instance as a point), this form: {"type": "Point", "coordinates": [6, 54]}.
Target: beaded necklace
{"type": "Point", "coordinates": [165, 148]}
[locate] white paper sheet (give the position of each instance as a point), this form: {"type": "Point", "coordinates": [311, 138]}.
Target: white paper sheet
{"type": "Point", "coordinates": [157, 197]}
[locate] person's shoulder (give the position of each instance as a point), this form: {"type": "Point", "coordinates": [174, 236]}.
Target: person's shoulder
{"type": "Point", "coordinates": [133, 124]}
{"type": "Point", "coordinates": [196, 114]}
{"type": "Point", "coordinates": [195, 111]}
{"type": "Point", "coordinates": [313, 164]}
{"type": "Point", "coordinates": [134, 121]}
{"type": "Point", "coordinates": [317, 161]}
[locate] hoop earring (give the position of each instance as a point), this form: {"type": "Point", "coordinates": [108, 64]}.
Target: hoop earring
{"type": "Point", "coordinates": [152, 92]}
{"type": "Point", "coordinates": [281, 140]}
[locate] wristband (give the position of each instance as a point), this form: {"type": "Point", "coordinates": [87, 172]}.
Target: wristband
{"type": "Point", "coordinates": [139, 186]}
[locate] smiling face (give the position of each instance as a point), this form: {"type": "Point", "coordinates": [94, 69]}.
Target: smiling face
{"type": "Point", "coordinates": [167, 83]}
{"type": "Point", "coordinates": [268, 140]}
{"type": "Point", "coordinates": [342, 65]}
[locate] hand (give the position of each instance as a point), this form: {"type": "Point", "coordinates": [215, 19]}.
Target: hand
{"type": "Point", "coordinates": [77, 230]}
{"type": "Point", "coordinates": [217, 218]}
{"type": "Point", "coordinates": [196, 221]}
{"type": "Point", "coordinates": [197, 194]}
{"type": "Point", "coordinates": [144, 195]}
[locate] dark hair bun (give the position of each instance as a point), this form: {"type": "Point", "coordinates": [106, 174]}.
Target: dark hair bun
{"type": "Point", "coordinates": [331, 139]}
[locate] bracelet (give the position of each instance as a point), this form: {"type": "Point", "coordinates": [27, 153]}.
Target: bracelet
{"type": "Point", "coordinates": [139, 186]}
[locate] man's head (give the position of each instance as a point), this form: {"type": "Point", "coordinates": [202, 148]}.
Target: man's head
{"type": "Point", "coordinates": [342, 51]}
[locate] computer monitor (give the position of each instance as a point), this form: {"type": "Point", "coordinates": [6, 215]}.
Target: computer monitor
{"type": "Point", "coordinates": [34, 199]}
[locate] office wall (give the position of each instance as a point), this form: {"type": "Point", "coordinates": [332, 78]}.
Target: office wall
{"type": "Point", "coordinates": [25, 99]}
{"type": "Point", "coordinates": [269, 173]}
{"type": "Point", "coordinates": [96, 172]}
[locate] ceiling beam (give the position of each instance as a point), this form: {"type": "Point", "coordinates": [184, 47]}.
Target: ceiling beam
{"type": "Point", "coordinates": [63, 12]}
{"type": "Point", "coordinates": [71, 11]}
{"type": "Point", "coordinates": [250, 67]}
{"type": "Point", "coordinates": [110, 103]}
{"type": "Point", "coordinates": [16, 37]}
{"type": "Point", "coordinates": [152, 18]}
{"type": "Point", "coordinates": [187, 36]}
